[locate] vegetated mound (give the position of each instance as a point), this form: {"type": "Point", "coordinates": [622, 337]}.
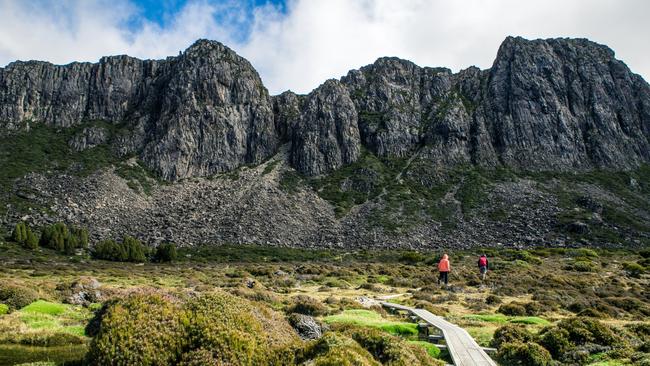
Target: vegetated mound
{"type": "Point", "coordinates": [216, 328]}
{"type": "Point", "coordinates": [572, 341]}
{"type": "Point", "coordinates": [221, 329]}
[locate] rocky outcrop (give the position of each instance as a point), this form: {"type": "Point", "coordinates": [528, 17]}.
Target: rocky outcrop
{"type": "Point", "coordinates": [416, 134]}
{"type": "Point", "coordinates": [558, 104]}
{"type": "Point", "coordinates": [215, 115]}
{"type": "Point", "coordinates": [89, 138]}
{"type": "Point", "coordinates": [327, 136]}
{"type": "Point", "coordinates": [564, 104]}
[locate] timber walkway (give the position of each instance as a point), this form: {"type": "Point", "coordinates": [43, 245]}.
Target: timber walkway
{"type": "Point", "coordinates": [463, 349]}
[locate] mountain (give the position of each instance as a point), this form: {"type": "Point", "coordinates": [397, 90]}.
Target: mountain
{"type": "Point", "coordinates": [550, 146]}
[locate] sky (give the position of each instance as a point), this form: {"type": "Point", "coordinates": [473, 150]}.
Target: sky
{"type": "Point", "coordinates": [298, 44]}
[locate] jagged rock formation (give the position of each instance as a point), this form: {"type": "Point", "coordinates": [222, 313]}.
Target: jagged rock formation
{"type": "Point", "coordinates": [559, 105]}
{"type": "Point", "coordinates": [327, 136]}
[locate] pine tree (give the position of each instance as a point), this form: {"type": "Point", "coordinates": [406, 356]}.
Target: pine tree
{"type": "Point", "coordinates": [30, 241]}
{"type": "Point", "coordinates": [20, 233]}
{"type": "Point", "coordinates": [71, 243]}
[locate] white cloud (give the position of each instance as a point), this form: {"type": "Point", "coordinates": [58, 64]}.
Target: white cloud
{"type": "Point", "coordinates": [320, 39]}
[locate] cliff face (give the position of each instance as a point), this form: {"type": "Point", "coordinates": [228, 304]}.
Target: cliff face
{"type": "Point", "coordinates": [558, 104]}
{"type": "Point", "coordinates": [393, 154]}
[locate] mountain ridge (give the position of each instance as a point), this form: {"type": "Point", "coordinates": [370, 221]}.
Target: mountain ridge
{"type": "Point", "coordinates": [389, 136]}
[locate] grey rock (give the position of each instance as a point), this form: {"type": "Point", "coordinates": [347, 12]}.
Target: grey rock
{"type": "Point", "coordinates": [306, 326]}
{"type": "Point", "coordinates": [327, 135]}
{"type": "Point", "coordinates": [89, 138]}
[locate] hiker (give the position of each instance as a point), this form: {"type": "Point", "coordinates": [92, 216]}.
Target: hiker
{"type": "Point", "coordinates": [443, 268]}
{"type": "Point", "coordinates": [483, 266]}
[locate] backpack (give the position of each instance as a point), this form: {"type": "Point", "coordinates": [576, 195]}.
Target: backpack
{"type": "Point", "coordinates": [482, 262]}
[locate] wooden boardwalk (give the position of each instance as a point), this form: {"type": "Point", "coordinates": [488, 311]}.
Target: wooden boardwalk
{"type": "Point", "coordinates": [463, 349]}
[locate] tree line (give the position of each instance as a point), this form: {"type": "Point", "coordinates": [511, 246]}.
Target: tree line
{"type": "Point", "coordinates": [69, 240]}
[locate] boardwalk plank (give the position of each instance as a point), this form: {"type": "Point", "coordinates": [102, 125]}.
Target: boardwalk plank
{"type": "Point", "coordinates": [463, 349]}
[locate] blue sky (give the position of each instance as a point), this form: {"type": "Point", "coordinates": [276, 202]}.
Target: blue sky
{"type": "Point", "coordinates": [298, 44]}
{"type": "Point", "coordinates": [163, 12]}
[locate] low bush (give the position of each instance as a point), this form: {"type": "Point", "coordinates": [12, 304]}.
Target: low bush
{"type": "Point", "coordinates": [523, 354]}
{"type": "Point", "coordinates": [335, 349]}
{"type": "Point", "coordinates": [509, 334]}
{"type": "Point", "coordinates": [390, 350]}
{"type": "Point", "coordinates": [411, 257]}
{"type": "Point", "coordinates": [492, 300]}
{"type": "Point", "coordinates": [16, 296]}
{"type": "Point", "coordinates": [166, 253]}
{"type": "Point", "coordinates": [633, 269]}
{"type": "Point", "coordinates": [513, 309]}
{"type": "Point", "coordinates": [307, 305]}
{"type": "Point", "coordinates": [140, 330]}
{"type": "Point", "coordinates": [218, 328]}
{"type": "Point", "coordinates": [581, 266]}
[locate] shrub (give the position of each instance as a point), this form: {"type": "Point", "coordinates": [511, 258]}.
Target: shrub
{"type": "Point", "coordinates": [592, 313]}
{"type": "Point", "coordinates": [239, 332]}
{"type": "Point", "coordinates": [130, 250]}
{"type": "Point", "coordinates": [411, 257]}
{"type": "Point", "coordinates": [4, 309]}
{"type": "Point", "coordinates": [390, 350]}
{"type": "Point", "coordinates": [165, 253]}
{"type": "Point", "coordinates": [23, 235]}
{"type": "Point", "coordinates": [582, 266]}
{"type": "Point", "coordinates": [510, 333]}
{"type": "Point", "coordinates": [141, 330]}
{"type": "Point", "coordinates": [512, 309]}
{"type": "Point", "coordinates": [134, 249]}
{"type": "Point", "coordinates": [525, 354]}
{"type": "Point", "coordinates": [633, 269]}
{"type": "Point", "coordinates": [62, 239]}
{"type": "Point", "coordinates": [556, 340]}
{"type": "Point", "coordinates": [17, 296]}
{"type": "Point", "coordinates": [20, 232]}
{"type": "Point", "coordinates": [334, 349]}
{"type": "Point", "coordinates": [583, 252]}
{"type": "Point", "coordinates": [492, 300]}
{"type": "Point", "coordinates": [30, 242]}
{"type": "Point", "coordinates": [307, 305]}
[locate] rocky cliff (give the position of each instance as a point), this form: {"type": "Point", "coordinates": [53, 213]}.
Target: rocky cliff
{"type": "Point", "coordinates": [389, 136]}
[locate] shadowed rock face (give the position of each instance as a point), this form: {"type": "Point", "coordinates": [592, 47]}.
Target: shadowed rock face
{"type": "Point", "coordinates": [558, 104]}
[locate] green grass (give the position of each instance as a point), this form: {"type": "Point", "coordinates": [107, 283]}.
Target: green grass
{"type": "Point", "coordinates": [432, 350]}
{"type": "Point", "coordinates": [55, 317]}
{"type": "Point", "coordinates": [371, 319]}
{"type": "Point", "coordinates": [4, 309]}
{"type": "Point", "coordinates": [45, 307]}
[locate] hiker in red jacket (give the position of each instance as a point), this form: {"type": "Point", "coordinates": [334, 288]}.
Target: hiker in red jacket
{"type": "Point", "coordinates": [483, 266]}
{"type": "Point", "coordinates": [444, 268]}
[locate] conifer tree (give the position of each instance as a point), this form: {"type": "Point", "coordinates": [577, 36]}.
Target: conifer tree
{"type": "Point", "coordinates": [30, 240]}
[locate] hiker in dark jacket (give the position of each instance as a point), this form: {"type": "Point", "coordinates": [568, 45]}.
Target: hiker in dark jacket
{"type": "Point", "coordinates": [483, 266]}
